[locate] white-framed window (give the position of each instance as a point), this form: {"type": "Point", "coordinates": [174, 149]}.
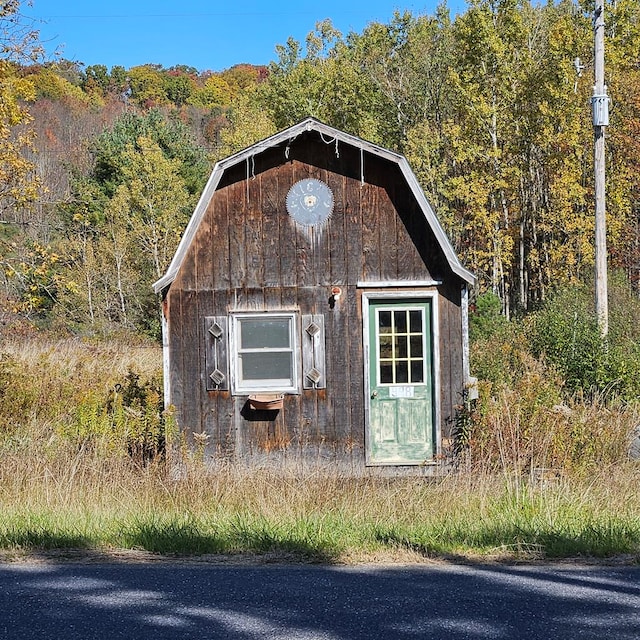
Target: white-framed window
{"type": "Point", "coordinates": [264, 352]}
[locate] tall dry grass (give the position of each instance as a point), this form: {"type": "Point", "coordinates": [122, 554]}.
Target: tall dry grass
{"type": "Point", "coordinates": [103, 504]}
{"type": "Point", "coordinates": [69, 478]}
{"type": "Point", "coordinates": [526, 420]}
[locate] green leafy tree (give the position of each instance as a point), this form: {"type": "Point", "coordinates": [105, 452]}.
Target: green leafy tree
{"type": "Point", "coordinates": [154, 202]}
{"type": "Point", "coordinates": [248, 123]}
{"type": "Point", "coordinates": [41, 279]}
{"type": "Point", "coordinates": [179, 87]}
{"type": "Point", "coordinates": [215, 92]}
{"type": "Point", "coordinates": [325, 83]}
{"type": "Point", "coordinates": [407, 62]}
{"type": "Point", "coordinates": [49, 83]}
{"type": "Point", "coordinates": [18, 185]}
{"type": "Point", "coordinates": [96, 79]}
{"type": "Point", "coordinates": [126, 217]}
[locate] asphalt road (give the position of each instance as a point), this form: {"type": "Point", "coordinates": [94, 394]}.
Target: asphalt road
{"type": "Point", "coordinates": [158, 601]}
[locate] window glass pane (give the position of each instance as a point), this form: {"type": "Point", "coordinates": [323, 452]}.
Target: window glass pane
{"type": "Point", "coordinates": [260, 333]}
{"type": "Point", "coordinates": [386, 349]}
{"type": "Point", "coordinates": [384, 321]}
{"type": "Point", "coordinates": [415, 321]}
{"type": "Point", "coordinates": [401, 346]}
{"type": "Point", "coordinates": [416, 346]}
{"type": "Point", "coordinates": [417, 371]}
{"type": "Point", "coordinates": [266, 366]}
{"type": "Point", "coordinates": [400, 318]}
{"type": "Point", "coordinates": [402, 372]}
{"type": "Point", "coordinates": [386, 372]}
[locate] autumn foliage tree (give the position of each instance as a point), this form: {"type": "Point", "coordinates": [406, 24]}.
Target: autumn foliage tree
{"type": "Point", "coordinates": [488, 106]}
{"type": "Point", "coordinates": [18, 44]}
{"type": "Point", "coordinates": [494, 116]}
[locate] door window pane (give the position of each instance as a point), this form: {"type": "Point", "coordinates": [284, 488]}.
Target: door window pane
{"type": "Point", "coordinates": [386, 347]}
{"type": "Point", "coordinates": [401, 347]}
{"type": "Point", "coordinates": [415, 321]}
{"type": "Point", "coordinates": [417, 371]}
{"type": "Point", "coordinates": [416, 346]}
{"type": "Point", "coordinates": [386, 373]}
{"type": "Point", "coordinates": [400, 318]}
{"type": "Point", "coordinates": [401, 339]}
{"type": "Point", "coordinates": [384, 321]}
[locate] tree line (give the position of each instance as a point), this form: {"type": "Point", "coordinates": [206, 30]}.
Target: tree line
{"type": "Point", "coordinates": [101, 169]}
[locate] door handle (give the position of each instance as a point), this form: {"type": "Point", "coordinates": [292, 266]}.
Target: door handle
{"type": "Point", "coordinates": [374, 394]}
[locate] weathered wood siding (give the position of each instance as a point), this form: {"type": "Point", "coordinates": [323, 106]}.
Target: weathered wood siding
{"type": "Point", "coordinates": [249, 255]}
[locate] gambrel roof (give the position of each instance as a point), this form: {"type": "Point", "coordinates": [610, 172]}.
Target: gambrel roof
{"type": "Point", "coordinates": [285, 137]}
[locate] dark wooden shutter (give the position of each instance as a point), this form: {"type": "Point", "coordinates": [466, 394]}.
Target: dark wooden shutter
{"type": "Point", "coordinates": [216, 353]}
{"type": "Point", "coordinates": [313, 352]}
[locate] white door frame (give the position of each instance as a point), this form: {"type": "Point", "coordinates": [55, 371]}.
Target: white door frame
{"type": "Point", "coordinates": [398, 296]}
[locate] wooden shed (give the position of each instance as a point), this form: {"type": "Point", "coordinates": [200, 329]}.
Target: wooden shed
{"type": "Point", "coordinates": [315, 309]}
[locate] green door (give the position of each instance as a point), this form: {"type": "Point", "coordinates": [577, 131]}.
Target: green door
{"type": "Point", "coordinates": [401, 417]}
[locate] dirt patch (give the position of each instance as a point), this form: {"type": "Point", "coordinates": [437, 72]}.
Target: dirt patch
{"type": "Point", "coordinates": [387, 557]}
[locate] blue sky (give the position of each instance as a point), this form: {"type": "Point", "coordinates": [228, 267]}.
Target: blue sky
{"type": "Point", "coordinates": [205, 34]}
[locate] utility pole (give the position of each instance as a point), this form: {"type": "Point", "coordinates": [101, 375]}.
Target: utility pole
{"type": "Point", "coordinates": [600, 110]}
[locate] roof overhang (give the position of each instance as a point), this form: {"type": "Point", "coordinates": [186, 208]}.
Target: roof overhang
{"type": "Point", "coordinates": [287, 136]}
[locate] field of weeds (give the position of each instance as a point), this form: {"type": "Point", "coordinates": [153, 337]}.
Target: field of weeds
{"type": "Point", "coordinates": [82, 434]}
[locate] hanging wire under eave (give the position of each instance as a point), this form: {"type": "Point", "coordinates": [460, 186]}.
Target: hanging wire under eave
{"type": "Point", "coordinates": [287, 149]}
{"type": "Point", "coordinates": [247, 181]}
{"type": "Point", "coordinates": [331, 142]}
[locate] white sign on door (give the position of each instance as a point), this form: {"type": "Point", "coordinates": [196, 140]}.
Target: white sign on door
{"type": "Point", "coordinates": [401, 392]}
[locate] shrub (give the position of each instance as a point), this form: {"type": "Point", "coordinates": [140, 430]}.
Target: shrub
{"type": "Point", "coordinates": [485, 317]}
{"type": "Point", "coordinates": [553, 392]}
{"type": "Point", "coordinates": [17, 395]}
{"type": "Point", "coordinates": [566, 334]}
{"type": "Point", "coordinates": [528, 427]}
{"type": "Point", "coordinates": [129, 420]}
{"type": "Point", "coordinates": [499, 358]}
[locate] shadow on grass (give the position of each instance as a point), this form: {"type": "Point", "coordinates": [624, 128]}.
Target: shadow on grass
{"type": "Point", "coordinates": [304, 543]}
{"type": "Point", "coordinates": [185, 539]}
{"type": "Point", "coordinates": [45, 539]}
{"type": "Point", "coordinates": [516, 542]}
{"type": "Point", "coordinates": [43, 542]}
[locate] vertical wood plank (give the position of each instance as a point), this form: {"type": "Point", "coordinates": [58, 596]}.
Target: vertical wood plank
{"type": "Point", "coordinates": [353, 221]}
{"type": "Point", "coordinates": [272, 210]}
{"type": "Point", "coordinates": [253, 236]}
{"type": "Point", "coordinates": [176, 364]}
{"type": "Point", "coordinates": [355, 372]}
{"type": "Point", "coordinates": [370, 232]}
{"type": "Point", "coordinates": [287, 228]}
{"type": "Point", "coordinates": [388, 239]}
{"type": "Point", "coordinates": [220, 260]}
{"type": "Point", "coordinates": [452, 374]}
{"type": "Point", "coordinates": [237, 254]}
{"type": "Point", "coordinates": [292, 414]}
{"type": "Point", "coordinates": [203, 244]}
{"type": "Point", "coordinates": [193, 375]}
{"type": "Point", "coordinates": [336, 228]}
{"type": "Point", "coordinates": [323, 415]}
